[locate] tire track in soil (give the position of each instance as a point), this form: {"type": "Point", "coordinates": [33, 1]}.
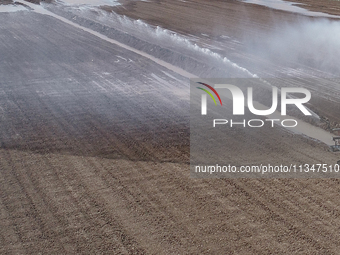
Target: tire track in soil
{"type": "Point", "coordinates": [54, 220]}
{"type": "Point", "coordinates": [295, 222]}
{"type": "Point", "coordinates": [110, 236]}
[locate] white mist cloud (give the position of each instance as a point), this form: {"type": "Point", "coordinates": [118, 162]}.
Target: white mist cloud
{"type": "Point", "coordinates": [313, 43]}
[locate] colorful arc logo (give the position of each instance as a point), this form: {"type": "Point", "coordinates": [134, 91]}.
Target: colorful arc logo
{"type": "Point", "coordinates": [208, 92]}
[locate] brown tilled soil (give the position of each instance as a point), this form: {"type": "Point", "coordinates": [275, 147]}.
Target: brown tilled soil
{"type": "Point", "coordinates": [94, 153]}
{"type": "Point", "coordinates": [6, 1]}
{"type": "Point", "coordinates": [328, 6]}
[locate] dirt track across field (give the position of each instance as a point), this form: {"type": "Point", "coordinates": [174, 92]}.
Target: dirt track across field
{"type": "Point", "coordinates": [94, 157]}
